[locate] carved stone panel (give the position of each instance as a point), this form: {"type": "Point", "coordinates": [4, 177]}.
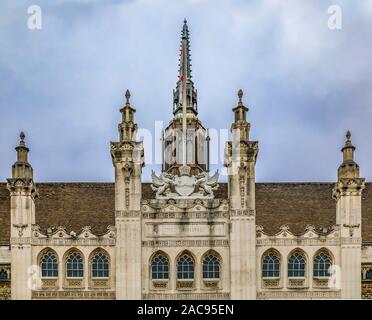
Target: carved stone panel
{"type": "Point", "coordinates": [194, 229]}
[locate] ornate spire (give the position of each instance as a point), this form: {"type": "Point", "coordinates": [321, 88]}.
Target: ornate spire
{"type": "Point", "coordinates": [22, 150]}
{"type": "Point", "coordinates": [349, 168]}
{"type": "Point", "coordinates": [127, 127]}
{"type": "Point", "coordinates": [21, 169]}
{"type": "Point", "coordinates": [185, 57]}
{"type": "Point", "coordinates": [184, 83]}
{"type": "Point", "coordinates": [240, 125]}
{"type": "Point", "coordinates": [348, 149]}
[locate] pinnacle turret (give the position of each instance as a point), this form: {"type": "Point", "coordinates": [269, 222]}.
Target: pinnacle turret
{"type": "Point", "coordinates": [184, 84]}
{"type": "Point", "coordinates": [349, 168]}
{"type": "Point", "coordinates": [127, 127]}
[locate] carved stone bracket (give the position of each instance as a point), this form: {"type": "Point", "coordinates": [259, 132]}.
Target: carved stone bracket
{"type": "Point", "coordinates": [348, 186]}
{"type": "Point", "coordinates": [24, 186]}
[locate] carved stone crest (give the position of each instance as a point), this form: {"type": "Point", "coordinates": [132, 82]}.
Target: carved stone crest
{"type": "Point", "coordinates": [183, 185]}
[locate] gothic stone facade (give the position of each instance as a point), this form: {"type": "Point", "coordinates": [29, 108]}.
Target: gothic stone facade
{"type": "Point", "coordinates": [185, 235]}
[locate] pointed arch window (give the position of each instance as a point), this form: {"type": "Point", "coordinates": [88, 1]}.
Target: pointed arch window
{"type": "Point", "coordinates": [185, 267]}
{"type": "Point", "coordinates": [3, 275]}
{"type": "Point", "coordinates": [74, 265]}
{"type": "Point", "coordinates": [271, 266]}
{"type": "Point", "coordinates": [160, 267]}
{"type": "Point", "coordinates": [322, 265]}
{"type": "Point", "coordinates": [296, 265]}
{"type": "Point", "coordinates": [211, 267]}
{"type": "Point", "coordinates": [49, 265]}
{"type": "Point", "coordinates": [100, 265]}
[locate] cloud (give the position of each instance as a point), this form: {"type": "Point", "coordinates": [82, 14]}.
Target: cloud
{"type": "Point", "coordinates": [305, 85]}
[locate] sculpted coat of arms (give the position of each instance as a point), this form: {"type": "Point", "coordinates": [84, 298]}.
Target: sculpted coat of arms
{"type": "Point", "coordinates": [168, 185]}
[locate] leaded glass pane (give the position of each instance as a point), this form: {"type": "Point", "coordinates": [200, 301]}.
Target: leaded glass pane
{"type": "Point", "coordinates": [185, 267]}
{"type": "Point", "coordinates": [369, 274]}
{"type": "Point", "coordinates": [211, 267]}
{"type": "Point", "coordinates": [3, 275]}
{"type": "Point", "coordinates": [74, 266]}
{"type": "Point", "coordinates": [322, 264]}
{"type": "Point", "coordinates": [100, 266]}
{"type": "Point", "coordinates": [159, 267]}
{"type": "Point", "coordinates": [49, 265]}
{"type": "Point", "coordinates": [271, 266]}
{"type": "Point", "coordinates": [296, 265]}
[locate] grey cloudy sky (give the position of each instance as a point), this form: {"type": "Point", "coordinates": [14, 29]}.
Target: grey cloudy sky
{"type": "Point", "coordinates": [305, 84]}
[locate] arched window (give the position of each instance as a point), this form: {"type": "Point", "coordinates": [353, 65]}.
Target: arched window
{"type": "Point", "coordinates": [211, 267]}
{"type": "Point", "coordinates": [296, 265]}
{"type": "Point", "coordinates": [74, 265]}
{"type": "Point", "coordinates": [100, 265]}
{"type": "Point", "coordinates": [3, 275]}
{"type": "Point", "coordinates": [271, 265]}
{"type": "Point", "coordinates": [49, 265]}
{"type": "Point", "coordinates": [322, 264]}
{"type": "Point", "coordinates": [160, 267]}
{"type": "Point", "coordinates": [185, 267]}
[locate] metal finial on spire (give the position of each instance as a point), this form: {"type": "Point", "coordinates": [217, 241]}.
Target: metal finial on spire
{"type": "Point", "coordinates": [348, 143]}
{"type": "Point", "coordinates": [240, 96]}
{"type": "Point", "coordinates": [348, 139]}
{"type": "Point", "coordinates": [127, 97]}
{"type": "Point", "coordinates": [348, 135]}
{"type": "Point", "coordinates": [22, 136]}
{"type": "Point", "coordinates": [185, 30]}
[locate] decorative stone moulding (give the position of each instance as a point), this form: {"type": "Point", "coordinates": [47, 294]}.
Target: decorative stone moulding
{"type": "Point", "coordinates": [74, 283]}
{"type": "Point", "coordinates": [59, 236]}
{"type": "Point", "coordinates": [187, 296]}
{"type": "Point", "coordinates": [322, 282]}
{"type": "Point", "coordinates": [186, 284]}
{"type": "Point", "coordinates": [211, 284]}
{"type": "Point", "coordinates": [296, 283]}
{"type": "Point", "coordinates": [74, 294]}
{"type": "Point", "coordinates": [160, 284]}
{"type": "Point", "coordinates": [271, 283]}
{"type": "Point", "coordinates": [97, 283]}
{"type": "Point", "coordinates": [171, 209]}
{"type": "Point", "coordinates": [49, 283]}
{"type": "Point", "coordinates": [310, 233]}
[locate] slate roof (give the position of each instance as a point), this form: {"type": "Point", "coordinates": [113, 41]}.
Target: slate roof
{"type": "Point", "coordinates": [75, 205]}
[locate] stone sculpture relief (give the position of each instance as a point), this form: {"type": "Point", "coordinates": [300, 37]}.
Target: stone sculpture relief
{"type": "Point", "coordinates": [184, 185]}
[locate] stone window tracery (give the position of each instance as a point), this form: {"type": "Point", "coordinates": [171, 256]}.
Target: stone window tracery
{"type": "Point", "coordinates": [211, 267]}
{"type": "Point", "coordinates": [185, 267]}
{"type": "Point", "coordinates": [160, 267]}
{"type": "Point", "coordinates": [49, 265]}
{"type": "Point", "coordinates": [322, 265]}
{"type": "Point", "coordinates": [100, 265]}
{"type": "Point", "coordinates": [271, 265]}
{"type": "Point", "coordinates": [296, 265]}
{"type": "Point", "coordinates": [74, 265]}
